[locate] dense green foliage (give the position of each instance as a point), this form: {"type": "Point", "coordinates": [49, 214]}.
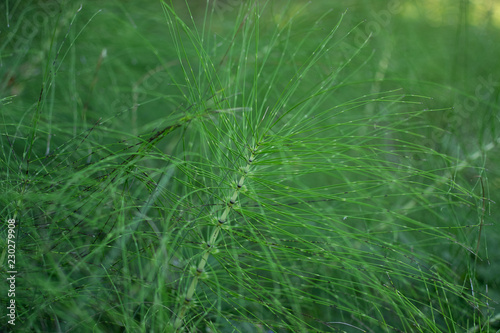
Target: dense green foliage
{"type": "Point", "coordinates": [260, 166]}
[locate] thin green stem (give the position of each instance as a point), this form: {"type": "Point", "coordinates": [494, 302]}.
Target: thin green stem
{"type": "Point", "coordinates": [210, 244]}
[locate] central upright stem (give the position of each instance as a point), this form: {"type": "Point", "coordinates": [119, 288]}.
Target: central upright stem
{"type": "Point", "coordinates": [210, 245]}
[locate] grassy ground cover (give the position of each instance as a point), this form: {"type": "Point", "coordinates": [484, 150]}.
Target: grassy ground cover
{"type": "Point", "coordinates": [260, 166]}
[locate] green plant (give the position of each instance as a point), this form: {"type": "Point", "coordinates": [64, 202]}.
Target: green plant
{"type": "Point", "coordinates": [270, 190]}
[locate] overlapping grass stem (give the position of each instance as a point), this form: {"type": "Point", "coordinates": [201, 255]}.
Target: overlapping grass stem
{"type": "Point", "coordinates": [211, 243]}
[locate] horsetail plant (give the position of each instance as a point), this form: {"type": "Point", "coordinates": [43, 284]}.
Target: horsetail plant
{"type": "Point", "coordinates": [276, 186]}
{"type": "Point", "coordinates": [211, 243]}
{"type": "Point", "coordinates": [301, 141]}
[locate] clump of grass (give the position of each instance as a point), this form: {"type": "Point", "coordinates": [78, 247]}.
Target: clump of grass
{"type": "Point", "coordinates": [269, 197]}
